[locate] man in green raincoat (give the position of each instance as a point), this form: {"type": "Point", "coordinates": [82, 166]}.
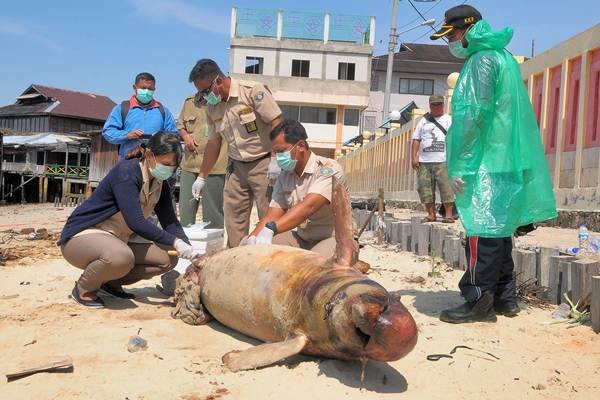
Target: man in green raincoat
{"type": "Point", "coordinates": [495, 162]}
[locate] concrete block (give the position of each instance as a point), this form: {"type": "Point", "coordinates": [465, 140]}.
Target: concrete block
{"type": "Point", "coordinates": [581, 278]}
{"type": "Point", "coordinates": [542, 268]}
{"type": "Point", "coordinates": [438, 234]}
{"type": "Point", "coordinates": [595, 306]}
{"type": "Point", "coordinates": [405, 235]}
{"type": "Point", "coordinates": [554, 278]}
{"type": "Point", "coordinates": [423, 239]}
{"type": "Point", "coordinates": [525, 266]}
{"type": "Point", "coordinates": [462, 258]}
{"type": "Point", "coordinates": [452, 250]}
{"type": "Point", "coordinates": [388, 229]}
{"type": "Point", "coordinates": [565, 280]}
{"type": "Point", "coordinates": [414, 222]}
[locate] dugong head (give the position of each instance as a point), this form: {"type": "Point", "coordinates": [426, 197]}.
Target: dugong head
{"type": "Point", "coordinates": [371, 323]}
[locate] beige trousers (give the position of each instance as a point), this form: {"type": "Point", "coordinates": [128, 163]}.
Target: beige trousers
{"type": "Point", "coordinates": [325, 247]}
{"type": "Point", "coordinates": [107, 259]}
{"type": "Point", "coordinates": [246, 183]}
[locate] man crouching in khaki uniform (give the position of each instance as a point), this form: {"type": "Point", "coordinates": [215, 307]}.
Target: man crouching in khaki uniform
{"type": "Point", "coordinates": [243, 113]}
{"type": "Point", "coordinates": [301, 196]}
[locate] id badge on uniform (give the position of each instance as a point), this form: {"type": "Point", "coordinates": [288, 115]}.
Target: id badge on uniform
{"type": "Point", "coordinates": [248, 119]}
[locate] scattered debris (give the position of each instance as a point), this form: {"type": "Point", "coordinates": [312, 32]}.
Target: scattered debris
{"type": "Point", "coordinates": [531, 293]}
{"type": "Point", "coordinates": [9, 296]}
{"type": "Point", "coordinates": [30, 343]}
{"type": "Point", "coordinates": [437, 357]}
{"type": "Point", "coordinates": [414, 279]}
{"type": "Point", "coordinates": [137, 343]}
{"type": "Point", "coordinates": [64, 364]}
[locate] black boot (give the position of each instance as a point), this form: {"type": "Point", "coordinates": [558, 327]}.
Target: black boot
{"type": "Point", "coordinates": [507, 309]}
{"type": "Point", "coordinates": [481, 310]}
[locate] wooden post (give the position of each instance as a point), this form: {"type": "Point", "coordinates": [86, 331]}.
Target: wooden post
{"type": "Point", "coordinates": [452, 250]}
{"type": "Point", "coordinates": [414, 222]}
{"type": "Point", "coordinates": [40, 189]}
{"type": "Point", "coordinates": [405, 237]}
{"type": "Point", "coordinates": [595, 306]}
{"type": "Point", "coordinates": [438, 235]}
{"type": "Point", "coordinates": [565, 280]}
{"type": "Point", "coordinates": [45, 198]}
{"type": "Point", "coordinates": [380, 231]}
{"type": "Point", "coordinates": [525, 266]}
{"type": "Point", "coordinates": [22, 189]}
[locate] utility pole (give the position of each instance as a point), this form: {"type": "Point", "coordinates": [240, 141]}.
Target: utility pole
{"type": "Point", "coordinates": [390, 61]}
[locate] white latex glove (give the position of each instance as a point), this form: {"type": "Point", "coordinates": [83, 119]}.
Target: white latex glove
{"type": "Point", "coordinates": [457, 185]}
{"type": "Point", "coordinates": [265, 236]}
{"type": "Point", "coordinates": [197, 187]}
{"type": "Point", "coordinates": [185, 251]}
{"type": "Point", "coordinates": [248, 240]}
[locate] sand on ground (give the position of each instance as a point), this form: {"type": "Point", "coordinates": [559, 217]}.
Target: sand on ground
{"type": "Point", "coordinates": [38, 320]}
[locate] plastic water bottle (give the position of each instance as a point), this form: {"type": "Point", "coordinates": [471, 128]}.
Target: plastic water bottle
{"type": "Point", "coordinates": [584, 238]}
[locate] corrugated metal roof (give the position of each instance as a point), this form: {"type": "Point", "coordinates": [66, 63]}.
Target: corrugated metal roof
{"type": "Point", "coordinates": [423, 58]}
{"type": "Point", "coordinates": [62, 102]}
{"type": "Point", "coordinates": [45, 139]}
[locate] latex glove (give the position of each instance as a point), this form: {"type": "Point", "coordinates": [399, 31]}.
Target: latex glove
{"type": "Point", "coordinates": [457, 185]}
{"type": "Point", "coordinates": [248, 240]}
{"type": "Point", "coordinates": [197, 187]}
{"type": "Point", "coordinates": [185, 251]}
{"type": "Point", "coordinates": [265, 236]}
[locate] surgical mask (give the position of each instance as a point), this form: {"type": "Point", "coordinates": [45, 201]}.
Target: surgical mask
{"type": "Point", "coordinates": [162, 172]}
{"type": "Point", "coordinates": [285, 161]}
{"type": "Point", "coordinates": [144, 95]}
{"type": "Point", "coordinates": [212, 99]}
{"type": "Point", "coordinates": [457, 50]}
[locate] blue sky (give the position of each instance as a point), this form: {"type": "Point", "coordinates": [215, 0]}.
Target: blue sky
{"type": "Point", "coordinates": [99, 46]}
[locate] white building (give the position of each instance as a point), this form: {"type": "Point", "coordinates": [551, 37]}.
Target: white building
{"type": "Point", "coordinates": [420, 70]}
{"type": "Point", "coordinates": [316, 64]}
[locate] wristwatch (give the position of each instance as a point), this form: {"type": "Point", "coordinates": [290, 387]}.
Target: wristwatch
{"type": "Point", "coordinates": [272, 226]}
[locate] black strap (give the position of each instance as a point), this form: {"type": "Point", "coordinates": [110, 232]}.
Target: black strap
{"type": "Point", "coordinates": [432, 119]}
{"type": "Point", "coordinates": [125, 111]}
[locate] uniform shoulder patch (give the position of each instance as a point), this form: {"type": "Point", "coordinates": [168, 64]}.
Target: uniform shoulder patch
{"type": "Point", "coordinates": [259, 96]}
{"type": "Point", "coordinates": [325, 171]}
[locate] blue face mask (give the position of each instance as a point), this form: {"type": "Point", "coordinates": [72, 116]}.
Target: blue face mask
{"type": "Point", "coordinates": [162, 172]}
{"type": "Point", "coordinates": [212, 99]}
{"type": "Point", "coordinates": [284, 160]}
{"type": "Point", "coordinates": [145, 96]}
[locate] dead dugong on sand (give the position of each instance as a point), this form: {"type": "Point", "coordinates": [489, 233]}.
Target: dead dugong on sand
{"type": "Point", "coordinates": [297, 301]}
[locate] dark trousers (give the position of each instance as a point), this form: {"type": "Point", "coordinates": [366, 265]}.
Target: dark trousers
{"type": "Point", "coordinates": [489, 267]}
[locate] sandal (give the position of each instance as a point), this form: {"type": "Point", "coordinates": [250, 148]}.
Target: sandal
{"type": "Point", "coordinates": [448, 220]}
{"type": "Point", "coordinates": [427, 219]}
{"type": "Point", "coordinates": [121, 294]}
{"type": "Point", "coordinates": [98, 303]}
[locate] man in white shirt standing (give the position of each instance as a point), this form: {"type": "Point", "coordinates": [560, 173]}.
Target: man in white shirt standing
{"type": "Point", "coordinates": [429, 159]}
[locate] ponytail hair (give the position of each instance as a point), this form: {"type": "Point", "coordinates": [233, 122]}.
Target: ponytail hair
{"type": "Point", "coordinates": [160, 143]}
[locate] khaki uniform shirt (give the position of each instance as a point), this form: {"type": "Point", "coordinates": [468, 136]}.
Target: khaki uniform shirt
{"type": "Point", "coordinates": [244, 120]}
{"type": "Point", "coordinates": [291, 189]}
{"type": "Point", "coordinates": [149, 196]}
{"type": "Point", "coordinates": [192, 118]}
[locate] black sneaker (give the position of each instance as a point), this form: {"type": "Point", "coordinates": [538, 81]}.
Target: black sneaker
{"type": "Point", "coordinates": [481, 310]}
{"type": "Point", "coordinates": [98, 303]}
{"type": "Point", "coordinates": [507, 309]}
{"type": "Point", "coordinates": [121, 294]}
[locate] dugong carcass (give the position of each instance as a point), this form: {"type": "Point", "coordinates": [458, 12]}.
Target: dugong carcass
{"type": "Point", "coordinates": [297, 301]}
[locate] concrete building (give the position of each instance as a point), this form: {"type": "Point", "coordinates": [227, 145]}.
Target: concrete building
{"type": "Point", "coordinates": [316, 64]}
{"type": "Point", "coordinates": [564, 87]}
{"type": "Point", "coordinates": [420, 70]}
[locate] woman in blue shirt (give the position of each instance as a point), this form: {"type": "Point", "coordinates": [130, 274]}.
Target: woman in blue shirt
{"type": "Point", "coordinates": [96, 236]}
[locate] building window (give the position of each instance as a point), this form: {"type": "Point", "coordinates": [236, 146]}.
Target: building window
{"type": "Point", "coordinates": [300, 68]}
{"type": "Point", "coordinates": [416, 86]}
{"type": "Point", "coordinates": [254, 65]}
{"type": "Point", "coordinates": [317, 115]}
{"type": "Point", "coordinates": [346, 71]}
{"type": "Point", "coordinates": [290, 112]}
{"type": "Point", "coordinates": [351, 117]}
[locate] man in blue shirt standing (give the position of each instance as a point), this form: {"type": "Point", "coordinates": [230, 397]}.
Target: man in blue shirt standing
{"type": "Point", "coordinates": [140, 115]}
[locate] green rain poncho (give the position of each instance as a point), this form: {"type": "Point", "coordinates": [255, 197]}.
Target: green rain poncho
{"type": "Point", "coordinates": [494, 144]}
